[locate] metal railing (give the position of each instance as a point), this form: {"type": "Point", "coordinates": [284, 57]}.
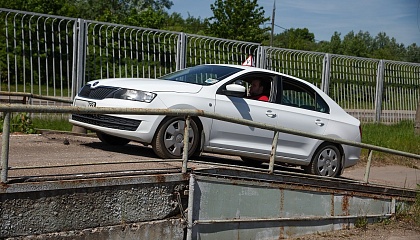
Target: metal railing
{"type": "Point", "coordinates": [188, 113]}
{"type": "Point", "coordinates": [36, 96]}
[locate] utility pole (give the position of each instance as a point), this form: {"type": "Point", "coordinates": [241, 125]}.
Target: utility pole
{"type": "Point", "coordinates": [273, 16]}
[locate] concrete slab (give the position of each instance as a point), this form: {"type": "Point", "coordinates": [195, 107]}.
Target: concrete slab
{"type": "Point", "coordinates": [393, 175]}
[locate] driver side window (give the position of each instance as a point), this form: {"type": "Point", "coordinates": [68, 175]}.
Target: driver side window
{"type": "Point", "coordinates": [259, 87]}
{"type": "Point", "coordinates": [256, 87]}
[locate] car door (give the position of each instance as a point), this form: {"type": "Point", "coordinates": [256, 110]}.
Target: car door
{"type": "Point", "coordinates": [236, 137]}
{"type": "Point", "coordinates": [299, 107]}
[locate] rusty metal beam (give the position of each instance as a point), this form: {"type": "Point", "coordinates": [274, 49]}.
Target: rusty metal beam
{"type": "Point", "coordinates": [285, 219]}
{"type": "Point", "coordinates": [289, 180]}
{"type": "Point", "coordinates": [31, 95]}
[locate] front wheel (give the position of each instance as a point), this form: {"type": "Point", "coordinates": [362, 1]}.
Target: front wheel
{"type": "Point", "coordinates": [169, 140]}
{"type": "Point", "coordinates": [326, 161]}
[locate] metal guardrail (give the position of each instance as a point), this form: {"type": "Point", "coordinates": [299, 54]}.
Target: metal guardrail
{"type": "Point", "coordinates": [9, 108]}
{"type": "Point", "coordinates": [30, 95]}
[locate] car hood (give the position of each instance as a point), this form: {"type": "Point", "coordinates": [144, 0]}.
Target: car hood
{"type": "Point", "coordinates": [146, 84]}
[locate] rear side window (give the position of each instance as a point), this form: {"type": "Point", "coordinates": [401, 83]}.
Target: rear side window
{"type": "Point", "coordinates": [298, 95]}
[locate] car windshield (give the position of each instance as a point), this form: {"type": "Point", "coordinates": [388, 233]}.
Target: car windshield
{"type": "Point", "coordinates": [202, 75]}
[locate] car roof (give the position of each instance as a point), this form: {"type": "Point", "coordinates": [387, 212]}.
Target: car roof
{"type": "Point", "coordinates": [242, 67]}
{"type": "Point", "coordinates": [251, 69]}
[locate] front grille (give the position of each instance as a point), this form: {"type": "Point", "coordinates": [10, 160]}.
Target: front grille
{"type": "Point", "coordinates": [96, 93]}
{"type": "Point", "coordinates": [108, 121]}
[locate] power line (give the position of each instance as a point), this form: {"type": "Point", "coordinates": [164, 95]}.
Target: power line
{"type": "Point", "coordinates": [283, 27]}
{"type": "Point", "coordinates": [316, 40]}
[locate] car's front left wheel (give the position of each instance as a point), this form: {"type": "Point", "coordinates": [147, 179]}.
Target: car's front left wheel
{"type": "Point", "coordinates": [169, 139]}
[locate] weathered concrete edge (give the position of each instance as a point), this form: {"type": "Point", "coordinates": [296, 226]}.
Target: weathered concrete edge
{"type": "Point", "coordinates": [37, 208]}
{"type": "Point", "coordinates": [161, 229]}
{"type": "Point", "coordinates": [93, 182]}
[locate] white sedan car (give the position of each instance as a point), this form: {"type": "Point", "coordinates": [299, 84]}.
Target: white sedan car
{"type": "Point", "coordinates": [292, 103]}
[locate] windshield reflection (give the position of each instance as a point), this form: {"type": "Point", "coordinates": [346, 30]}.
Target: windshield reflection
{"type": "Point", "coordinates": [202, 74]}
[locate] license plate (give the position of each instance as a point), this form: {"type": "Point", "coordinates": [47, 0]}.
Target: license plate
{"type": "Point", "coordinates": [82, 103]}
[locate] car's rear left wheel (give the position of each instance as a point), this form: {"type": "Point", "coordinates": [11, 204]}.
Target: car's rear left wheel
{"type": "Point", "coordinates": [326, 161]}
{"type": "Point", "coordinates": [169, 140]}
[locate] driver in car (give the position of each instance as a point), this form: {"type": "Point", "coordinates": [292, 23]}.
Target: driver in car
{"type": "Point", "coordinates": [257, 90]}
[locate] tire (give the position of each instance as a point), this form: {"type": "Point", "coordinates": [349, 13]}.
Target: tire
{"type": "Point", "coordinates": [326, 161]}
{"type": "Point", "coordinates": [252, 162]}
{"type": "Point", "coordinates": [112, 140]}
{"type": "Point", "coordinates": [169, 140]}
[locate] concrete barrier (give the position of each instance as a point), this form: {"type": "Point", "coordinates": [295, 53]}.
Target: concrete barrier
{"type": "Point", "coordinates": [77, 129]}
{"type": "Point", "coordinates": [50, 208]}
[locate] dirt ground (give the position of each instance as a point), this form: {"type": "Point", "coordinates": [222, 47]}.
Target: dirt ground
{"type": "Point", "coordinates": [392, 230]}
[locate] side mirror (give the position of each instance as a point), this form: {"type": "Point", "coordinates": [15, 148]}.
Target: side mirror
{"type": "Point", "coordinates": [235, 90]}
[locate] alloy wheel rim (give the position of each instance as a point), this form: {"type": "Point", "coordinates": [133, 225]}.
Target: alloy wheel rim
{"type": "Point", "coordinates": [328, 162]}
{"type": "Point", "coordinates": [174, 137]}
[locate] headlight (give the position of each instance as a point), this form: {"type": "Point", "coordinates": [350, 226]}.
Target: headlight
{"type": "Point", "coordinates": [135, 95]}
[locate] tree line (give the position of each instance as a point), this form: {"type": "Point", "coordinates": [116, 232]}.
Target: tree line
{"type": "Point", "coordinates": [241, 20]}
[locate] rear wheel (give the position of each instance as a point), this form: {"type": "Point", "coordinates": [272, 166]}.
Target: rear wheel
{"type": "Point", "coordinates": [326, 161]}
{"type": "Point", "coordinates": [169, 140]}
{"type": "Point", "coordinates": [112, 140]}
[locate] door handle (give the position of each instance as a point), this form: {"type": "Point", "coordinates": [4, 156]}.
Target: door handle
{"type": "Point", "coordinates": [270, 114]}
{"type": "Point", "coordinates": [319, 122]}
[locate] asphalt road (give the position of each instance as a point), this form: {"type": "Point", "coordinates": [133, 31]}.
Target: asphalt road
{"type": "Point", "coordinates": [58, 156]}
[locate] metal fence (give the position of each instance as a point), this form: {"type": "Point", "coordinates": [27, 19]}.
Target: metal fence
{"type": "Point", "coordinates": [115, 51]}
{"type": "Point", "coordinates": [37, 53]}
{"type": "Point", "coordinates": [54, 56]}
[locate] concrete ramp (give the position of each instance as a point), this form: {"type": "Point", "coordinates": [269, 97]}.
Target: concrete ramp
{"type": "Point", "coordinates": [232, 204]}
{"type": "Point", "coordinates": [222, 204]}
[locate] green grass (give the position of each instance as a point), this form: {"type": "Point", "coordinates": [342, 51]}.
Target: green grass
{"type": "Point", "coordinates": [398, 136]}
{"type": "Point", "coordinates": [59, 123]}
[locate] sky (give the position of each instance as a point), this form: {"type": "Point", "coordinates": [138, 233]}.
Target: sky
{"type": "Point", "coordinates": [399, 19]}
